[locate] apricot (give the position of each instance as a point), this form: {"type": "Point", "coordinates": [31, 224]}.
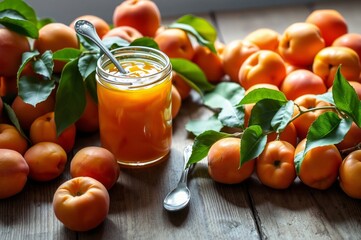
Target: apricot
{"type": "Point", "coordinates": [142, 15]}
{"type": "Point", "coordinates": [11, 138]}
{"type": "Point", "coordinates": [328, 60]}
{"type": "Point", "coordinates": [350, 40]}
{"type": "Point", "coordinates": [43, 129]}
{"type": "Point", "coordinates": [182, 86]}
{"type": "Point", "coordinates": [125, 32]}
{"type": "Point", "coordinates": [234, 54]}
{"type": "Point", "coordinates": [175, 43]}
{"type": "Point", "coordinates": [263, 66]}
{"type": "Point", "coordinates": [46, 161]}
{"type": "Point", "coordinates": [351, 139]}
{"type": "Point", "coordinates": [176, 102]}
{"type": "Point", "coordinates": [330, 22]}
{"type": "Point", "coordinates": [27, 113]}
{"type": "Point", "coordinates": [209, 62]}
{"type": "Point", "coordinates": [12, 46]}
{"type": "Point", "coordinates": [96, 162]}
{"type": "Point", "coordinates": [300, 43]}
{"type": "Point", "coordinates": [13, 173]}
{"type": "Point", "coordinates": [54, 37]}
{"type": "Point", "coordinates": [300, 82]}
{"type": "Point", "coordinates": [264, 38]}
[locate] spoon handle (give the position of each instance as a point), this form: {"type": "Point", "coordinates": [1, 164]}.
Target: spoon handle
{"type": "Point", "coordinates": [86, 29]}
{"type": "Point", "coordinates": [186, 155]}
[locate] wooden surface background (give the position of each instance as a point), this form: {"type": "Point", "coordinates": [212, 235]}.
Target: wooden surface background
{"type": "Point", "coordinates": [244, 211]}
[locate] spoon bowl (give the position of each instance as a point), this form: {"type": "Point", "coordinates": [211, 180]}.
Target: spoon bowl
{"type": "Point", "coordinates": [179, 197]}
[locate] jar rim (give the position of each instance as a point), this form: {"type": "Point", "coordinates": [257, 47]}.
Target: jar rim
{"type": "Point", "coordinates": [133, 52]}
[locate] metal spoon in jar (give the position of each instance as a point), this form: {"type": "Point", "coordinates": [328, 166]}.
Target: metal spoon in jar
{"type": "Point", "coordinates": [179, 197]}
{"type": "Point", "coordinates": [86, 29]}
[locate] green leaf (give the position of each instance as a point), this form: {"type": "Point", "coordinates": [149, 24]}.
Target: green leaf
{"type": "Point", "coordinates": [21, 7]}
{"type": "Point", "coordinates": [70, 97]}
{"type": "Point", "coordinates": [298, 160]}
{"type": "Point", "coordinates": [17, 23]}
{"type": "Point", "coordinates": [88, 44]}
{"type": "Point", "coordinates": [282, 117]}
{"type": "Point", "coordinates": [34, 90]}
{"type": "Point", "coordinates": [145, 42]}
{"type": "Point", "coordinates": [263, 112]}
{"type": "Point", "coordinates": [14, 120]}
{"type": "Point", "coordinates": [192, 74]}
{"type": "Point", "coordinates": [67, 54]}
{"type": "Point", "coordinates": [87, 64]}
{"type": "Point", "coordinates": [253, 142]}
{"type": "Point", "coordinates": [44, 65]}
{"type": "Point", "coordinates": [201, 25]}
{"type": "Point", "coordinates": [225, 97]}
{"type": "Point", "coordinates": [25, 59]}
{"type": "Point", "coordinates": [91, 86]}
{"type": "Point", "coordinates": [114, 42]}
{"type": "Point", "coordinates": [199, 126]}
{"type": "Point", "coordinates": [345, 98]}
{"type": "Point", "coordinates": [263, 93]}
{"type": "Point", "coordinates": [202, 144]}
{"type": "Point", "coordinates": [193, 31]}
{"type": "Point", "coordinates": [327, 129]}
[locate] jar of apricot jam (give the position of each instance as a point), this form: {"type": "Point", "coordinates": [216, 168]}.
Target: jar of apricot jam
{"type": "Point", "coordinates": [135, 121]}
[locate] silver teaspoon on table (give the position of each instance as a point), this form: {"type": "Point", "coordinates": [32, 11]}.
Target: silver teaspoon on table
{"type": "Point", "coordinates": [179, 197]}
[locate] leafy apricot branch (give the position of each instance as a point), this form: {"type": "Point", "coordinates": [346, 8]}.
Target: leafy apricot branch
{"type": "Point", "coordinates": [272, 112]}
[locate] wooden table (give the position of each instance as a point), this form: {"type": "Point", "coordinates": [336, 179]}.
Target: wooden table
{"type": "Point", "coordinates": [245, 211]}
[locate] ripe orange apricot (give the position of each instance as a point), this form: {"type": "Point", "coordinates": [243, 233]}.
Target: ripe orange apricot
{"type": "Point", "coordinates": [89, 120]}
{"type": "Point", "coordinates": [301, 82]}
{"type": "Point", "coordinates": [176, 101]}
{"type": "Point", "coordinates": [13, 173]}
{"type": "Point", "coordinates": [351, 139]}
{"type": "Point", "coordinates": [209, 62]}
{"type": "Point", "coordinates": [224, 160]}
{"type": "Point", "coordinates": [304, 121]}
{"type": "Point", "coordinates": [46, 161]}
{"type": "Point", "coordinates": [320, 166]}
{"type": "Point", "coordinates": [234, 54]}
{"type": "Point", "coordinates": [56, 36]}
{"type": "Point", "coordinates": [300, 43]}
{"type": "Point", "coordinates": [11, 138]}
{"type": "Point", "coordinates": [12, 46]}
{"type": "Point", "coordinates": [350, 174]}
{"type": "Point", "coordinates": [275, 166]}
{"type": "Point", "coordinates": [142, 15]}
{"type": "Point", "coordinates": [263, 66]}
{"type": "Point", "coordinates": [330, 22]}
{"type": "Point", "coordinates": [125, 32]}
{"type": "Point", "coordinates": [43, 129]}
{"type": "Point", "coordinates": [289, 134]}
{"type": "Point", "coordinates": [81, 203]}
{"type": "Point", "coordinates": [27, 113]}
{"type": "Point", "coordinates": [264, 38]}
{"type": "Point", "coordinates": [175, 43]}
{"type": "Point", "coordinates": [182, 86]}
{"type": "Point", "coordinates": [350, 40]}
{"type": "Point", "coordinates": [8, 86]}
{"type": "Point", "coordinates": [96, 162]}
{"type": "Point", "coordinates": [328, 60]}
{"type": "Point", "coordinates": [100, 25]}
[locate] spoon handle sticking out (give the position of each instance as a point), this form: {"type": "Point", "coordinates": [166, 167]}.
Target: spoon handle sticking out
{"type": "Point", "coordinates": [86, 29]}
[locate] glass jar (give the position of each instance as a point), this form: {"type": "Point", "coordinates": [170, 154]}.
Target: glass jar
{"type": "Point", "coordinates": [135, 121]}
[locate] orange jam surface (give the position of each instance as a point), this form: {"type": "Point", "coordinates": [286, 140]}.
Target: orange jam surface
{"type": "Point", "coordinates": [135, 124]}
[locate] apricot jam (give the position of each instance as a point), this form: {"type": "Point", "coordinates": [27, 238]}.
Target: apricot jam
{"type": "Point", "coordinates": [135, 120]}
